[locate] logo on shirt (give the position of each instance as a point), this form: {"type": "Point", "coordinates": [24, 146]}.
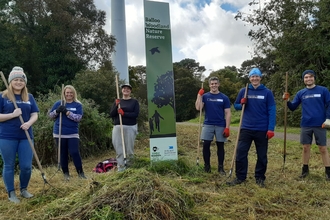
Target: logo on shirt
{"type": "Point", "coordinates": [19, 102]}
{"type": "Point", "coordinates": [214, 100]}
{"type": "Point", "coordinates": [256, 97]}
{"type": "Point", "coordinates": [311, 96]}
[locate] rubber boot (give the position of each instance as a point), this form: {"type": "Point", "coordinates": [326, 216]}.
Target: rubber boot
{"type": "Point", "coordinates": [305, 171]}
{"type": "Point", "coordinates": [13, 198]}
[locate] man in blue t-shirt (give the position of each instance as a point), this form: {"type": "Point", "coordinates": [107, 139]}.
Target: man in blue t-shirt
{"type": "Point", "coordinates": [216, 122]}
{"type": "Point", "coordinates": [257, 125]}
{"type": "Point", "coordinates": [315, 102]}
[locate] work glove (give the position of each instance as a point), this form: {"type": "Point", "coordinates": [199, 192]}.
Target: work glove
{"type": "Point", "coordinates": [62, 109]}
{"type": "Point", "coordinates": [326, 123]}
{"type": "Point", "coordinates": [226, 132]}
{"type": "Point", "coordinates": [117, 102]}
{"type": "Point", "coordinates": [201, 92]}
{"type": "Point", "coordinates": [286, 96]}
{"type": "Point", "coordinates": [121, 111]}
{"type": "Point", "coordinates": [243, 101]}
{"type": "Point", "coordinates": [270, 134]}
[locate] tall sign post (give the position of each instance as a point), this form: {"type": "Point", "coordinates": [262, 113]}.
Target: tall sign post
{"type": "Point", "coordinates": [160, 81]}
{"type": "Point", "coordinates": [118, 30]}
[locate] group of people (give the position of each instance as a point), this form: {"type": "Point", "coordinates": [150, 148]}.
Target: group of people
{"type": "Point", "coordinates": [259, 121]}
{"type": "Point", "coordinates": [19, 111]}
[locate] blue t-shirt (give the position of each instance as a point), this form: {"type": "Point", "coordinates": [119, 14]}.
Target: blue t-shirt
{"type": "Point", "coordinates": [69, 126]}
{"type": "Point", "coordinates": [10, 129]}
{"type": "Point", "coordinates": [260, 109]}
{"type": "Point", "coordinates": [214, 106]}
{"type": "Point", "coordinates": [315, 106]}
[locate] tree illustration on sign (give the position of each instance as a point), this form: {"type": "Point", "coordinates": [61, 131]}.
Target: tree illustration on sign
{"type": "Point", "coordinates": [164, 94]}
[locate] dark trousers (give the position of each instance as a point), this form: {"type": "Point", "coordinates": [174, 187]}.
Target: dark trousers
{"type": "Point", "coordinates": [70, 146]}
{"type": "Point", "coordinates": [244, 143]}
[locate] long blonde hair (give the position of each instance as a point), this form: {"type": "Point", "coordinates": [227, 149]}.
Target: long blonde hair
{"type": "Point", "coordinates": [9, 93]}
{"type": "Point", "coordinates": [74, 93]}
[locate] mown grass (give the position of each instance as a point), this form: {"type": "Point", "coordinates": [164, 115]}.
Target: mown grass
{"type": "Point", "coordinates": [179, 189]}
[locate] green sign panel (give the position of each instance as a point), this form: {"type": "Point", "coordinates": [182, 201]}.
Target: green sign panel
{"type": "Point", "coordinates": [160, 81]}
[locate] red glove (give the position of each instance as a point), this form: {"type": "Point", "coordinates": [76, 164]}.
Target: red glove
{"type": "Point", "coordinates": [243, 101]}
{"type": "Point", "coordinates": [117, 102]}
{"type": "Point", "coordinates": [201, 92]}
{"type": "Point", "coordinates": [286, 96]}
{"type": "Point", "coordinates": [270, 134]}
{"type": "Point", "coordinates": [121, 111]}
{"type": "Point", "coordinates": [226, 132]}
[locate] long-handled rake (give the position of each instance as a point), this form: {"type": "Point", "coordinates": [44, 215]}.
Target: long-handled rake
{"type": "Point", "coordinates": [285, 120]}
{"type": "Point", "coordinates": [121, 123]}
{"type": "Point", "coordinates": [238, 134]}
{"type": "Point", "coordinates": [199, 133]}
{"type": "Point", "coordinates": [26, 132]}
{"type": "Point", "coordinates": [60, 133]}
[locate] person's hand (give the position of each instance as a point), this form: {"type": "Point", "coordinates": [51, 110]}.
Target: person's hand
{"type": "Point", "coordinates": [117, 102]}
{"type": "Point", "coordinates": [17, 112]}
{"type": "Point", "coordinates": [226, 132]}
{"type": "Point", "coordinates": [270, 134]}
{"type": "Point", "coordinates": [243, 101]}
{"type": "Point", "coordinates": [201, 92]}
{"type": "Point", "coordinates": [326, 123]}
{"type": "Point", "coordinates": [25, 126]}
{"type": "Point", "coordinates": [62, 109]}
{"type": "Point", "coordinates": [121, 111]}
{"type": "Point", "coordinates": [286, 96]}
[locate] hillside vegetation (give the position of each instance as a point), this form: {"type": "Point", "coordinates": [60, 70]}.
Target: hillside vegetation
{"type": "Point", "coordinates": [178, 189]}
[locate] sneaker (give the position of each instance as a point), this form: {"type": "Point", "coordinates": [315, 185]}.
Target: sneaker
{"type": "Point", "coordinates": [26, 194]}
{"type": "Point", "coordinates": [207, 168]}
{"type": "Point", "coordinates": [327, 173]}
{"type": "Point", "coordinates": [260, 182]}
{"type": "Point", "coordinates": [235, 182]}
{"type": "Point", "coordinates": [13, 198]}
{"type": "Point", "coordinates": [82, 176]}
{"type": "Point", "coordinates": [221, 171]}
{"type": "Point", "coordinates": [66, 176]}
{"type": "Point", "coordinates": [121, 169]}
{"type": "Point", "coordinates": [304, 172]}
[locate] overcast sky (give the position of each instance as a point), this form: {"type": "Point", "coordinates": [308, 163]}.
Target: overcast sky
{"type": "Point", "coordinates": [203, 30]}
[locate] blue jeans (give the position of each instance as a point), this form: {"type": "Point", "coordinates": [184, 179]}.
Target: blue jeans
{"type": "Point", "coordinates": [9, 149]}
{"type": "Point", "coordinates": [244, 143]}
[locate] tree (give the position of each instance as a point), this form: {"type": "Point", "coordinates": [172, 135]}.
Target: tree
{"type": "Point", "coordinates": [53, 40]}
{"type": "Point", "coordinates": [163, 88]}
{"type": "Point", "coordinates": [97, 85]}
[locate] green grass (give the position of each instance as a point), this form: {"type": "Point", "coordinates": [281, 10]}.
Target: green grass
{"type": "Point", "coordinates": [179, 189]}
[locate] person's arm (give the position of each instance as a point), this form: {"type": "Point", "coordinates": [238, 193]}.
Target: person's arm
{"type": "Point", "coordinates": [199, 102]}
{"type": "Point", "coordinates": [227, 117]}
{"type": "Point", "coordinates": [30, 122]}
{"type": "Point", "coordinates": [237, 103]}
{"type": "Point", "coordinates": [75, 116]}
{"type": "Point", "coordinates": [5, 117]}
{"type": "Point", "coordinates": [135, 112]}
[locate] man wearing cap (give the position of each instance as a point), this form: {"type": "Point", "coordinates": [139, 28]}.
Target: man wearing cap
{"type": "Point", "coordinates": [315, 102]}
{"type": "Point", "coordinates": [129, 109]}
{"type": "Point", "coordinates": [257, 125]}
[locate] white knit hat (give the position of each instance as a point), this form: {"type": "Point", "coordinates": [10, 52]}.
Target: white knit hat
{"type": "Point", "coordinates": [17, 72]}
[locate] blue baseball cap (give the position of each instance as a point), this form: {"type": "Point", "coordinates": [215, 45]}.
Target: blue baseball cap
{"type": "Point", "coordinates": [255, 71]}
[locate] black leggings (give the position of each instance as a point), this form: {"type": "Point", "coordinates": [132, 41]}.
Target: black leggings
{"type": "Point", "coordinates": [207, 152]}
